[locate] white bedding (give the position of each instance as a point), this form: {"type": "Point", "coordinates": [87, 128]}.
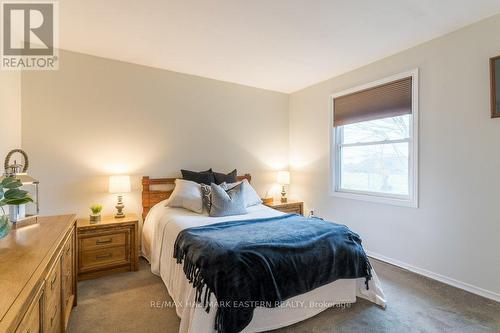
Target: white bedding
{"type": "Point", "coordinates": [160, 230]}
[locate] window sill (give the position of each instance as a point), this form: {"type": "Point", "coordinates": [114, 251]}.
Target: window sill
{"type": "Point", "coordinates": [412, 203]}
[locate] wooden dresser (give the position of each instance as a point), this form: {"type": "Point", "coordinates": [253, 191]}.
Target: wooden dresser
{"type": "Point", "coordinates": [108, 246]}
{"type": "Point", "coordinates": [38, 276]}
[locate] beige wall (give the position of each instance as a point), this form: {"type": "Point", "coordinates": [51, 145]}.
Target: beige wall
{"type": "Point", "coordinates": [455, 232]}
{"type": "Point", "coordinates": [95, 117]}
{"type": "Point", "coordinates": [10, 112]}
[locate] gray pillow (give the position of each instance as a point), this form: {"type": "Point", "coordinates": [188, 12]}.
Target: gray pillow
{"type": "Point", "coordinates": [251, 197]}
{"type": "Point", "coordinates": [225, 203]}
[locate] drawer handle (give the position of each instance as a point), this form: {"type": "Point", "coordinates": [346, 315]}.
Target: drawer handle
{"type": "Point", "coordinates": [53, 316]}
{"type": "Point", "coordinates": [103, 241]}
{"type": "Point", "coordinates": [67, 251]}
{"type": "Point", "coordinates": [104, 256]}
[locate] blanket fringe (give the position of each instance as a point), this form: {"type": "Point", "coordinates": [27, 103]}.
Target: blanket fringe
{"type": "Point", "coordinates": [193, 274]}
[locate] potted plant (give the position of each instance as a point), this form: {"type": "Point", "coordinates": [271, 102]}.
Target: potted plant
{"type": "Point", "coordinates": [96, 213]}
{"type": "Point", "coordinates": [10, 194]}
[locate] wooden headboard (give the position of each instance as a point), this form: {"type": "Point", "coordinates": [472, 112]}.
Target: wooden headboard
{"type": "Point", "coordinates": [151, 197]}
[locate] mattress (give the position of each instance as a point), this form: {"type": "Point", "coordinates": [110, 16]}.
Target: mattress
{"type": "Point", "coordinates": [160, 230]}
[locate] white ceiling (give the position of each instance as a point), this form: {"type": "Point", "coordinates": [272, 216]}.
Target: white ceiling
{"type": "Point", "coordinates": [281, 45]}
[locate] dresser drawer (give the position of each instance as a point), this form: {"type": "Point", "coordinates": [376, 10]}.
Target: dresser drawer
{"type": "Point", "coordinates": [104, 240]}
{"type": "Point", "coordinates": [67, 266]}
{"type": "Point", "coordinates": [52, 318]}
{"type": "Point", "coordinates": [52, 299]}
{"type": "Point", "coordinates": [31, 322]}
{"type": "Point", "coordinates": [67, 280]}
{"type": "Point", "coordinates": [68, 245]}
{"type": "Point", "coordinates": [295, 210]}
{"type": "Point", "coordinates": [103, 257]}
{"type": "Point", "coordinates": [53, 284]}
{"type": "Point", "coordinates": [290, 208]}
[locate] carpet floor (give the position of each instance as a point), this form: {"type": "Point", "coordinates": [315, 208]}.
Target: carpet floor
{"type": "Point", "coordinates": [126, 302]}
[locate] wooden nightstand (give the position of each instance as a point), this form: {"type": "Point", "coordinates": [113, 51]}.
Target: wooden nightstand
{"type": "Point", "coordinates": [296, 207]}
{"type": "Point", "coordinates": [106, 247]}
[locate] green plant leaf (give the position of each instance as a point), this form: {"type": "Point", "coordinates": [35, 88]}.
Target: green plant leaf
{"type": "Point", "coordinates": [17, 202]}
{"type": "Point", "coordinates": [10, 183]}
{"type": "Point", "coordinates": [15, 194]}
{"type": "Point", "coordinates": [7, 180]}
{"type": "Point", "coordinates": [96, 208]}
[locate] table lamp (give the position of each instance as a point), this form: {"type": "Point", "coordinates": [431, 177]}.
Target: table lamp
{"type": "Point", "coordinates": [119, 185]}
{"type": "Point", "coordinates": [283, 179]}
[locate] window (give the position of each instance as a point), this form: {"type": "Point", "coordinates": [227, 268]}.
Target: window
{"type": "Point", "coordinates": [374, 141]}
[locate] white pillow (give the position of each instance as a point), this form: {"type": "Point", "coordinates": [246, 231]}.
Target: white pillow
{"type": "Point", "coordinates": [186, 194]}
{"type": "Point", "coordinates": [249, 193]}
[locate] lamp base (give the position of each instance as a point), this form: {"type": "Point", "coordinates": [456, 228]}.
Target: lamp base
{"type": "Point", "coordinates": [283, 195]}
{"type": "Point", "coordinates": [119, 207]}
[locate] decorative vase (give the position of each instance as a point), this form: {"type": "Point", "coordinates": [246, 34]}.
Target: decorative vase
{"type": "Point", "coordinates": [17, 212]}
{"type": "Point", "coordinates": [4, 226]}
{"type": "Point", "coordinates": [94, 218]}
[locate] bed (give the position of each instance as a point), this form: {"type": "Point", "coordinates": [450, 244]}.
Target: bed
{"type": "Point", "coordinates": [160, 230]}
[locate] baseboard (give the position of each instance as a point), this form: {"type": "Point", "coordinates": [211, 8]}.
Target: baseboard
{"type": "Point", "coordinates": [438, 277]}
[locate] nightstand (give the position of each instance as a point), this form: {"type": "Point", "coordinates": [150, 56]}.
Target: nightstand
{"type": "Point", "coordinates": [106, 247]}
{"type": "Point", "coordinates": [296, 207]}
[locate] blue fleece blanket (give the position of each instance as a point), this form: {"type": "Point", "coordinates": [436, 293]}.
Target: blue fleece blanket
{"type": "Point", "coordinates": [266, 261]}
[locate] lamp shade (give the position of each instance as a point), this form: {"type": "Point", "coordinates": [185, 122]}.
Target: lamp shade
{"type": "Point", "coordinates": [283, 177]}
{"type": "Point", "coordinates": [119, 184]}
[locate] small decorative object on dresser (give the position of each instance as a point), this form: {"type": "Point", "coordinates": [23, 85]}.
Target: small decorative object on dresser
{"type": "Point", "coordinates": [10, 194]}
{"type": "Point", "coordinates": [119, 185]}
{"type": "Point", "coordinates": [96, 213]}
{"type": "Point", "coordinates": [109, 246]}
{"type": "Point", "coordinates": [19, 212]}
{"type": "Point", "coordinates": [283, 179]}
{"type": "Point", "coordinates": [296, 207]}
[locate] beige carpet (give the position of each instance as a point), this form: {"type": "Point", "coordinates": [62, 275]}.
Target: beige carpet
{"type": "Point", "coordinates": [122, 303]}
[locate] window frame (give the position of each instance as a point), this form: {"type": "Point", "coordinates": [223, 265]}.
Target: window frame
{"type": "Point", "coordinates": [335, 137]}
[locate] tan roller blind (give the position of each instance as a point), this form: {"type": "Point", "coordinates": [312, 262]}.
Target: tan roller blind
{"type": "Point", "coordinates": [387, 100]}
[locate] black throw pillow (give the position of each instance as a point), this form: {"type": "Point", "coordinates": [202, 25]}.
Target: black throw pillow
{"type": "Point", "coordinates": [202, 177]}
{"type": "Point", "coordinates": [229, 178]}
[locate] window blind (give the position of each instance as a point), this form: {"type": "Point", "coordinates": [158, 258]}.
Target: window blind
{"type": "Point", "coordinates": [388, 100]}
